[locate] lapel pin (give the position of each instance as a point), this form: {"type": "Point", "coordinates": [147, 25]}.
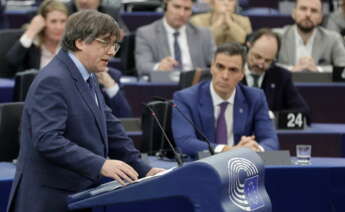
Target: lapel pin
{"type": "Point", "coordinates": [241, 110]}
{"type": "Point", "coordinates": [273, 85]}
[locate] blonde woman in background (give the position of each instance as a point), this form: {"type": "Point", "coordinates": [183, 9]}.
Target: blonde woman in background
{"type": "Point", "coordinates": [41, 39]}
{"type": "Point", "coordinates": [226, 26]}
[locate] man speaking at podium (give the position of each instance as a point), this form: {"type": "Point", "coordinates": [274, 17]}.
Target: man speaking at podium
{"type": "Point", "coordinates": [229, 114]}
{"type": "Point", "coordinates": [69, 137]}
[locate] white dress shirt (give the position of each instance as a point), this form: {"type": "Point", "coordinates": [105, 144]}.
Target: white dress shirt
{"type": "Point", "coordinates": [183, 43]}
{"type": "Point", "coordinates": [303, 50]}
{"type": "Point", "coordinates": [217, 100]}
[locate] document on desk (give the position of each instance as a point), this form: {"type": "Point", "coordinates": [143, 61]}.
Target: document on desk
{"type": "Point", "coordinates": [110, 186]}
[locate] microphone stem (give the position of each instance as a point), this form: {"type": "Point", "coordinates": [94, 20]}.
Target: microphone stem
{"type": "Point", "coordinates": [192, 124]}
{"type": "Point", "coordinates": [177, 156]}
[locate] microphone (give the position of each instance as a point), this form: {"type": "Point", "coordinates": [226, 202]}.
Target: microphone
{"type": "Point", "coordinates": [210, 147]}
{"type": "Point", "coordinates": [177, 155]}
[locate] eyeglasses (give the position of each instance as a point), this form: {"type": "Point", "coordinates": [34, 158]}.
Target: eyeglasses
{"type": "Point", "coordinates": [107, 45]}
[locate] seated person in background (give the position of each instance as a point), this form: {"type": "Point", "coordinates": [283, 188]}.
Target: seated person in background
{"type": "Point", "coordinates": [336, 20]}
{"type": "Point", "coordinates": [172, 43]}
{"type": "Point", "coordinates": [77, 5]}
{"type": "Point", "coordinates": [276, 82]}
{"type": "Point", "coordinates": [113, 96]}
{"type": "Point", "coordinates": [41, 39]}
{"type": "Point", "coordinates": [226, 26]}
{"type": "Point", "coordinates": [308, 46]}
{"type": "Point", "coordinates": [228, 113]}
{"type": "Point", "coordinates": [41, 42]}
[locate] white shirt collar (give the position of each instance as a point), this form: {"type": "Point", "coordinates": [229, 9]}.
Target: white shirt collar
{"type": "Point", "coordinates": [216, 99]}
{"type": "Point", "coordinates": [81, 68]}
{"type": "Point", "coordinates": [303, 50]}
{"type": "Point", "coordinates": [299, 39]}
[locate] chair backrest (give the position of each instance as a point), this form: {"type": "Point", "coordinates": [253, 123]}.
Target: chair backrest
{"type": "Point", "coordinates": [190, 78]}
{"type": "Point", "coordinates": [22, 84]}
{"type": "Point", "coordinates": [153, 139]}
{"type": "Point", "coordinates": [127, 55]}
{"type": "Point", "coordinates": [7, 39]}
{"type": "Point", "coordinates": [148, 5]}
{"type": "Point", "coordinates": [135, 20]}
{"type": "Point", "coordinates": [10, 116]}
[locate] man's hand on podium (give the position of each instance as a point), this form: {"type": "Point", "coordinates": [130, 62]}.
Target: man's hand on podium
{"type": "Point", "coordinates": [119, 171]}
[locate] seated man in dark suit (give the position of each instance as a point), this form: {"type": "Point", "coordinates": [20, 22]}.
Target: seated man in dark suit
{"type": "Point", "coordinates": [276, 82]}
{"type": "Point", "coordinates": [69, 137]}
{"type": "Point", "coordinates": [229, 114]}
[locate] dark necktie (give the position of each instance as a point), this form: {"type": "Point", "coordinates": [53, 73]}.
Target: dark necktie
{"type": "Point", "coordinates": [177, 50]}
{"type": "Point", "coordinates": [91, 84]}
{"type": "Point", "coordinates": [221, 130]}
{"type": "Point", "coordinates": [255, 80]}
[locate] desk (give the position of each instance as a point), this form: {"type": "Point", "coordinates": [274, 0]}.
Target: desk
{"type": "Point", "coordinates": [325, 99]}
{"type": "Point", "coordinates": [143, 92]}
{"type": "Point", "coordinates": [319, 187]}
{"type": "Point", "coordinates": [327, 140]}
{"type": "Point", "coordinates": [6, 90]}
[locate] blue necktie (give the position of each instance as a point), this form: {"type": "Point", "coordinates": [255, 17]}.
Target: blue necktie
{"type": "Point", "coordinates": [221, 130]}
{"type": "Point", "coordinates": [177, 50]}
{"type": "Point", "coordinates": [91, 84]}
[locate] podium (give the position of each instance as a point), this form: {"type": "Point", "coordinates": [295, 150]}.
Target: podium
{"type": "Point", "coordinates": [230, 181]}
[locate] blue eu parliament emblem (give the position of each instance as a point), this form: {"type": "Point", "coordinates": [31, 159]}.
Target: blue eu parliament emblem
{"type": "Point", "coordinates": [243, 184]}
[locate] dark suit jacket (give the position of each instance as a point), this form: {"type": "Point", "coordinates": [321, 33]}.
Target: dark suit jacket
{"type": "Point", "coordinates": [250, 118]}
{"type": "Point", "coordinates": [281, 93]}
{"type": "Point", "coordinates": [24, 58]}
{"type": "Point", "coordinates": [30, 58]}
{"type": "Point", "coordinates": [65, 138]}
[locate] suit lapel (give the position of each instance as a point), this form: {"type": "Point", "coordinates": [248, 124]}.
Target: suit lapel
{"type": "Point", "coordinates": [206, 112]}
{"type": "Point", "coordinates": [290, 45]}
{"type": "Point", "coordinates": [162, 39]}
{"type": "Point", "coordinates": [240, 113]}
{"type": "Point", "coordinates": [317, 47]}
{"type": "Point", "coordinates": [193, 50]}
{"type": "Point", "coordinates": [82, 88]}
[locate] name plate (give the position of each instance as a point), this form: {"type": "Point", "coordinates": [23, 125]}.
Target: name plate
{"type": "Point", "coordinates": [291, 120]}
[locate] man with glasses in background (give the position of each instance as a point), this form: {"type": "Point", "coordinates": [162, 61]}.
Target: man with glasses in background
{"type": "Point", "coordinates": [69, 137]}
{"type": "Point", "coordinates": [275, 81]}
